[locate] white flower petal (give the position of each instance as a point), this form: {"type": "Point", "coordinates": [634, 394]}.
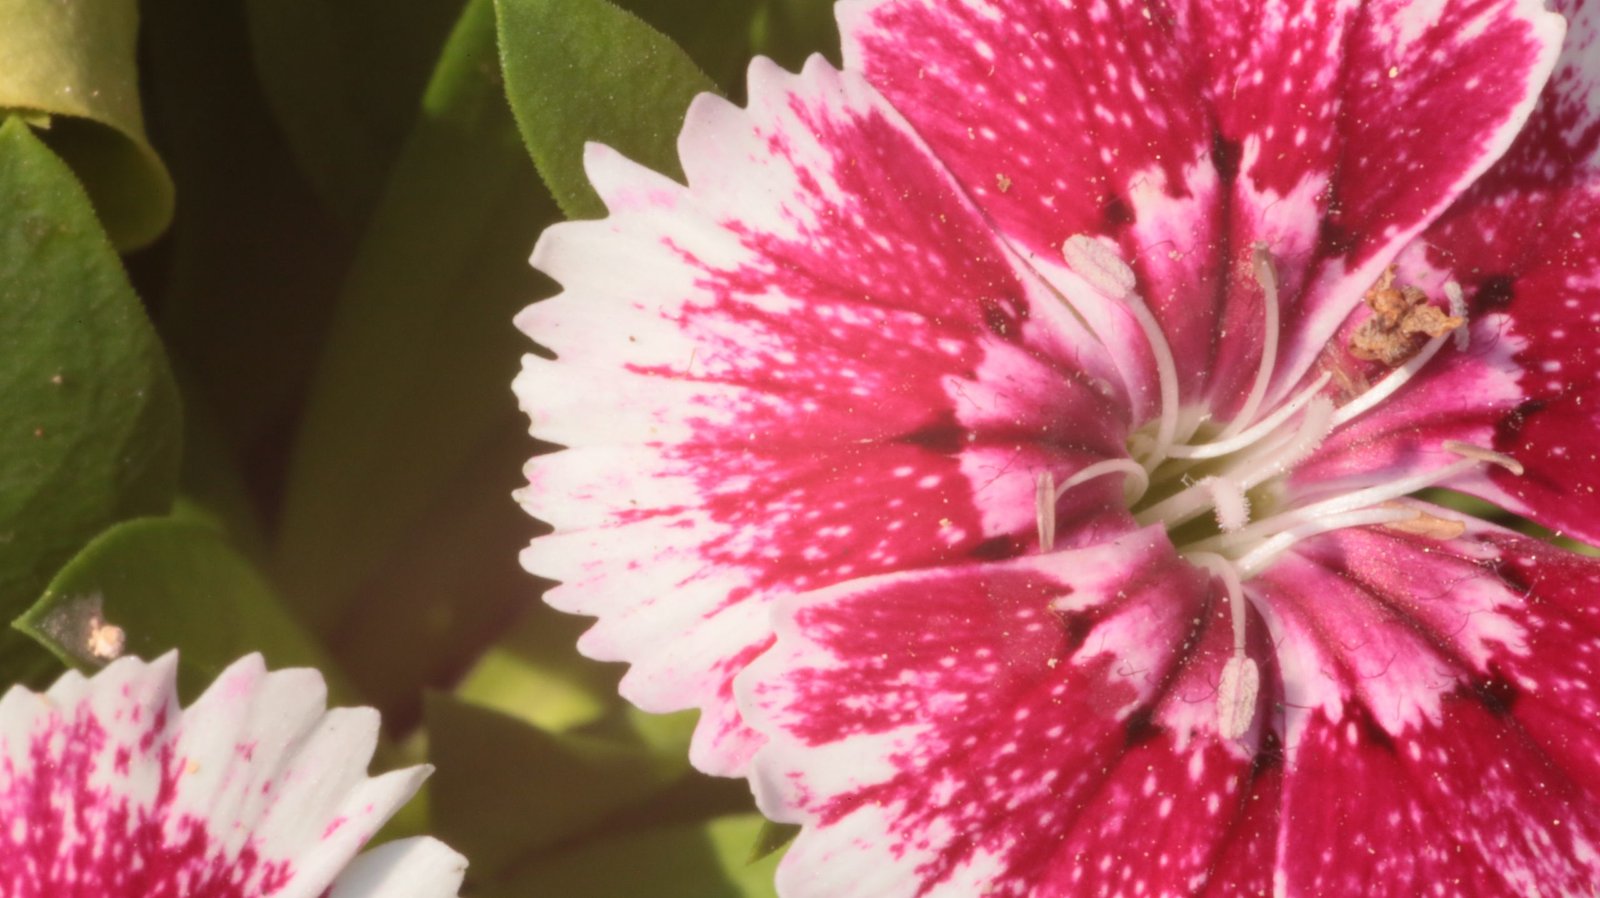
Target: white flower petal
{"type": "Point", "coordinates": [111, 788]}
{"type": "Point", "coordinates": [406, 868]}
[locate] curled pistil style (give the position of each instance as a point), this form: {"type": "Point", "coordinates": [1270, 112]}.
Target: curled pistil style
{"type": "Point", "coordinates": [1026, 446]}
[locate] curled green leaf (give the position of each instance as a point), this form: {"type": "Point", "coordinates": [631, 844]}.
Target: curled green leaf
{"type": "Point", "coordinates": [68, 69]}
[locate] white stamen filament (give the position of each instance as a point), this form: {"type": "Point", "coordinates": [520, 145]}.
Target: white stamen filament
{"type": "Point", "coordinates": [1258, 431]}
{"type": "Point", "coordinates": [1219, 474]}
{"type": "Point", "coordinates": [1458, 309]}
{"type": "Point", "coordinates": [1315, 425]}
{"type": "Point", "coordinates": [1394, 489]}
{"type": "Point", "coordinates": [1355, 501]}
{"type": "Point", "coordinates": [1385, 388]}
{"type": "Point", "coordinates": [1267, 277]}
{"type": "Point", "coordinates": [1275, 458]}
{"type": "Point", "coordinates": [1267, 538]}
{"type": "Point", "coordinates": [1229, 576]}
{"type": "Point", "coordinates": [1089, 259]}
{"type": "Point", "coordinates": [1241, 679]}
{"type": "Point", "coordinates": [1046, 493]}
{"type": "Point", "coordinates": [1257, 559]}
{"type": "Point", "coordinates": [1138, 478]}
{"type": "Point", "coordinates": [1167, 371]}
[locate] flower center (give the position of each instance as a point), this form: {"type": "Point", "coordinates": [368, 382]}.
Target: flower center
{"type": "Point", "coordinates": [1222, 491]}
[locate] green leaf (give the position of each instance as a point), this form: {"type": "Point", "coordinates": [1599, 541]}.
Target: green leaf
{"type": "Point", "coordinates": [582, 70]}
{"type": "Point", "coordinates": [343, 77]}
{"type": "Point", "coordinates": [704, 860]}
{"type": "Point", "coordinates": [714, 33]}
{"type": "Point", "coordinates": [89, 416]}
{"type": "Point", "coordinates": [504, 790]}
{"type": "Point", "coordinates": [70, 68]}
{"type": "Point", "coordinates": [397, 528]}
{"type": "Point", "coordinates": [170, 584]}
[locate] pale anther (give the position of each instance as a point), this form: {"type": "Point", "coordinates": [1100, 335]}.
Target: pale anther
{"type": "Point", "coordinates": [1044, 510]}
{"type": "Point", "coordinates": [1094, 262]}
{"type": "Point", "coordinates": [1241, 680]}
{"type": "Point", "coordinates": [1487, 456]}
{"type": "Point", "coordinates": [1231, 504]}
{"type": "Point", "coordinates": [1236, 696]}
{"type": "Point", "coordinates": [1427, 525]}
{"type": "Point", "coordinates": [1106, 272]}
{"type": "Point", "coordinates": [105, 640]}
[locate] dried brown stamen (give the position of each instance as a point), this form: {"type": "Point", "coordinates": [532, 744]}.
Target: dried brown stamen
{"type": "Point", "coordinates": [1425, 524]}
{"type": "Point", "coordinates": [1401, 316]}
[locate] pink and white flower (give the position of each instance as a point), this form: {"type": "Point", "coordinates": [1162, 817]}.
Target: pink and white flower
{"type": "Point", "coordinates": [111, 790]}
{"type": "Point", "coordinates": [1011, 444]}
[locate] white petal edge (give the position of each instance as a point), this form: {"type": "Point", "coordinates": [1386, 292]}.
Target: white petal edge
{"type": "Point", "coordinates": [257, 760]}
{"type": "Point", "coordinates": [419, 867]}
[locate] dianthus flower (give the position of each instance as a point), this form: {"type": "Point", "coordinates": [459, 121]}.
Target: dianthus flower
{"type": "Point", "coordinates": [1012, 444]}
{"type": "Point", "coordinates": [110, 790]}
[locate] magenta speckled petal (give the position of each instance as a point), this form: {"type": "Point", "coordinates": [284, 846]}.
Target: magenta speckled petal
{"type": "Point", "coordinates": [943, 733]}
{"type": "Point", "coordinates": [1466, 393]}
{"type": "Point", "coordinates": [1523, 246]}
{"type": "Point", "coordinates": [819, 363]}
{"type": "Point", "coordinates": [1548, 290]}
{"type": "Point", "coordinates": [940, 737]}
{"type": "Point", "coordinates": [112, 790]}
{"type": "Point", "coordinates": [1461, 675]}
{"type": "Point", "coordinates": [1526, 245]}
{"type": "Point", "coordinates": [1012, 444]}
{"type": "Point", "coordinates": [1186, 131]}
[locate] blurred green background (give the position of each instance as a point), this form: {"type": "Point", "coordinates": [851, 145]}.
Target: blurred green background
{"type": "Point", "coordinates": [258, 264]}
